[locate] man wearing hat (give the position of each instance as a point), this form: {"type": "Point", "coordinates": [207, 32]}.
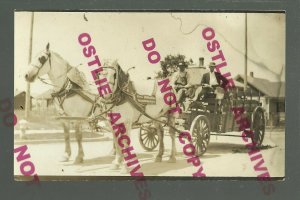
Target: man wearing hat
{"type": "Point", "coordinates": [181, 82]}
{"type": "Point", "coordinates": [210, 81]}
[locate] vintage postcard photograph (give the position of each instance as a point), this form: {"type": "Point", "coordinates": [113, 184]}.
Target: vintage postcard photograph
{"type": "Point", "coordinates": [149, 94]}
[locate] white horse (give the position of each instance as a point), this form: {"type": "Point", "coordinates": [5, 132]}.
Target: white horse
{"type": "Point", "coordinates": [70, 99]}
{"type": "Point", "coordinates": [123, 103]}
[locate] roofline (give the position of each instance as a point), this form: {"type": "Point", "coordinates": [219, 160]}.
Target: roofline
{"type": "Point", "coordinates": [241, 76]}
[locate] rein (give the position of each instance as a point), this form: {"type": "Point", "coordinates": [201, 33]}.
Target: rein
{"type": "Point", "coordinates": [99, 116]}
{"type": "Point", "coordinates": [44, 81]}
{"type": "Point", "coordinates": [67, 88]}
{"type": "Point", "coordinates": [133, 102]}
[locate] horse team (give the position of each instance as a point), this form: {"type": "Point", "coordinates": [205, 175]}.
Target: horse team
{"type": "Point", "coordinates": [88, 105]}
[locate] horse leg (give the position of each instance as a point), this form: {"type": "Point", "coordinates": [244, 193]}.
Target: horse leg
{"type": "Point", "coordinates": [113, 150]}
{"type": "Point", "coordinates": [160, 133]}
{"type": "Point", "coordinates": [67, 153]}
{"type": "Point", "coordinates": [118, 153]}
{"type": "Point", "coordinates": [80, 154]}
{"type": "Point", "coordinates": [125, 168]}
{"type": "Point", "coordinates": [172, 132]}
{"type": "Point", "coordinates": [118, 156]}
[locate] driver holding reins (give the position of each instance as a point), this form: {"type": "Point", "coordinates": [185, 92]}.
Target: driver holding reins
{"type": "Point", "coordinates": [211, 81]}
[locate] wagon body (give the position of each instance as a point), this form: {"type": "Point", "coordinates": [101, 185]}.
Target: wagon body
{"type": "Point", "coordinates": [220, 114]}
{"type": "Point", "coordinates": [211, 116]}
{"type": "Point", "coordinates": [216, 117]}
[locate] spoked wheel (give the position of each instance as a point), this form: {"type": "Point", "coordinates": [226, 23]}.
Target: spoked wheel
{"type": "Point", "coordinates": [200, 131]}
{"type": "Point", "coordinates": [148, 138]}
{"type": "Point", "coordinates": [258, 126]}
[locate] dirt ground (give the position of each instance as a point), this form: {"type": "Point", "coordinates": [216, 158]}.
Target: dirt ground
{"type": "Point", "coordinates": [226, 157]}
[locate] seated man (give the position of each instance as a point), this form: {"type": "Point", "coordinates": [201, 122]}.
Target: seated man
{"type": "Point", "coordinates": [181, 82]}
{"type": "Point", "coordinates": [211, 81]}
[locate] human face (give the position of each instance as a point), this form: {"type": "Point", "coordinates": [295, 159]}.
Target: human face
{"type": "Point", "coordinates": [212, 68]}
{"type": "Point", "coordinates": [181, 69]}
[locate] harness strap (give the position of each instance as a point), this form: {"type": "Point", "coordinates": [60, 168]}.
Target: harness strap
{"type": "Point", "coordinates": [134, 103]}
{"type": "Point", "coordinates": [69, 90]}
{"type": "Point", "coordinates": [132, 99]}
{"type": "Point", "coordinates": [63, 91]}
{"type": "Point", "coordinates": [84, 96]}
{"type": "Point", "coordinates": [99, 116]}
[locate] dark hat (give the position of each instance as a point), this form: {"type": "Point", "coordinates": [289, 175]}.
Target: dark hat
{"type": "Point", "coordinates": [212, 64]}
{"type": "Point", "coordinates": [181, 64]}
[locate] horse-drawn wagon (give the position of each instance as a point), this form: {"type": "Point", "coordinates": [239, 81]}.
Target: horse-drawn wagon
{"type": "Point", "coordinates": [203, 118]}
{"type": "Point", "coordinates": [210, 115]}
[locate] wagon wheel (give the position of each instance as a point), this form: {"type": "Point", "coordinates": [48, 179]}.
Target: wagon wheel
{"type": "Point", "coordinates": [148, 138]}
{"type": "Point", "coordinates": [258, 126]}
{"type": "Point", "coordinates": [200, 131]}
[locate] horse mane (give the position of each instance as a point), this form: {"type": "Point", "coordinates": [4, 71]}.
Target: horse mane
{"type": "Point", "coordinates": [60, 57]}
{"type": "Point", "coordinates": [122, 76]}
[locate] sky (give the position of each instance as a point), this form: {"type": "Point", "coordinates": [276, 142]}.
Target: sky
{"type": "Point", "coordinates": [120, 35]}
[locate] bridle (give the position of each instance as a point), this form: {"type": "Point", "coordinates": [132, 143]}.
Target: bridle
{"type": "Point", "coordinates": [42, 61]}
{"type": "Point", "coordinates": [116, 98]}
{"type": "Point", "coordinates": [121, 93]}
{"type": "Point", "coordinates": [116, 95]}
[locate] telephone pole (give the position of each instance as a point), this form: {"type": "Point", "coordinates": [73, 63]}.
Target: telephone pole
{"type": "Point", "coordinates": [246, 52]}
{"type": "Point", "coordinates": [28, 98]}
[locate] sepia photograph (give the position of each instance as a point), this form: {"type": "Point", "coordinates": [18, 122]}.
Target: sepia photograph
{"type": "Point", "coordinates": [100, 95]}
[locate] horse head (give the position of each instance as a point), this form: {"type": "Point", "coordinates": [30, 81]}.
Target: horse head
{"type": "Point", "coordinates": [116, 78]}
{"type": "Point", "coordinates": [51, 63]}
{"type": "Point", "coordinates": [40, 65]}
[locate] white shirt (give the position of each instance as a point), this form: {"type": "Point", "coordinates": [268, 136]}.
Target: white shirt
{"type": "Point", "coordinates": [176, 75]}
{"type": "Point", "coordinates": [212, 79]}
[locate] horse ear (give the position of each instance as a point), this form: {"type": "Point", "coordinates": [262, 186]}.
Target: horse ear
{"type": "Point", "coordinates": [48, 46]}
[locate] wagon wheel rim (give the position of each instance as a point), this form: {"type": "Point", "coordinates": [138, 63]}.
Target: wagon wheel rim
{"type": "Point", "coordinates": [148, 138]}
{"type": "Point", "coordinates": [258, 127]}
{"type": "Point", "coordinates": [200, 135]}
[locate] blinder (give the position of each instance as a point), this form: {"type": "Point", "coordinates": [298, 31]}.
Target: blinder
{"type": "Point", "coordinates": [42, 60]}
{"type": "Point", "coordinates": [120, 80]}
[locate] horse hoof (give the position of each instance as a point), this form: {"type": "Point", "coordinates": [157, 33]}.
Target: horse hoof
{"type": "Point", "coordinates": [78, 160]}
{"type": "Point", "coordinates": [64, 158]}
{"type": "Point", "coordinates": [112, 152]}
{"type": "Point", "coordinates": [158, 159]}
{"type": "Point", "coordinates": [114, 167]}
{"type": "Point", "coordinates": [172, 160]}
{"type": "Point", "coordinates": [124, 170]}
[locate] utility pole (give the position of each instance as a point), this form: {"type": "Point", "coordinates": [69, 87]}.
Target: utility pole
{"type": "Point", "coordinates": [246, 52]}
{"type": "Point", "coordinates": [28, 99]}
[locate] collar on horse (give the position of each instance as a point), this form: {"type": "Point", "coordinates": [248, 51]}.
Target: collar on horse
{"type": "Point", "coordinates": [124, 91]}
{"type": "Point", "coordinates": [70, 89]}
{"type": "Point", "coordinates": [122, 81]}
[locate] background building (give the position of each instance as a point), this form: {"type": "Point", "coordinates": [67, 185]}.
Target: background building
{"type": "Point", "coordinates": [19, 100]}
{"type": "Point", "coordinates": [272, 96]}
